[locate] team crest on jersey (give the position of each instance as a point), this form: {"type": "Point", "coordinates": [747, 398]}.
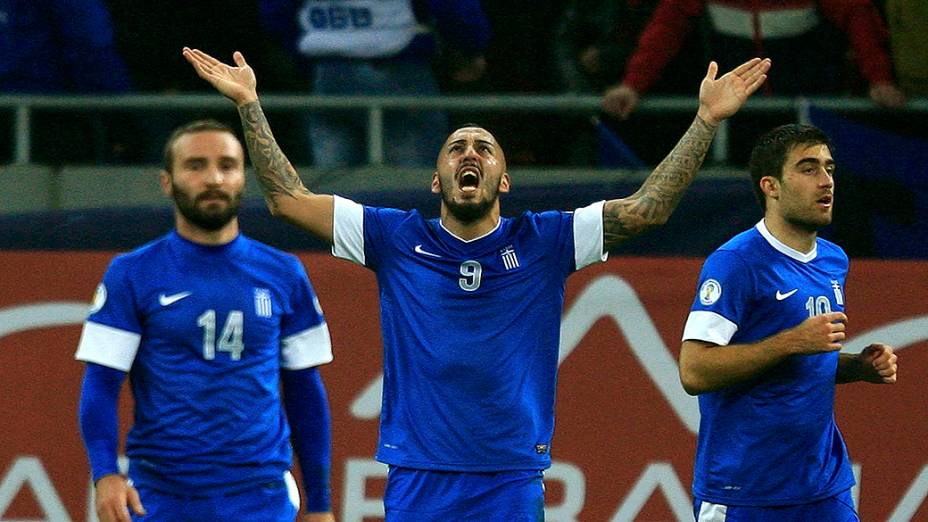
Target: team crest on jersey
{"type": "Point", "coordinates": [99, 298]}
{"type": "Point", "coordinates": [510, 259]}
{"type": "Point", "coordinates": [263, 302]}
{"type": "Point", "coordinates": [710, 291]}
{"type": "Point", "coordinates": [839, 295]}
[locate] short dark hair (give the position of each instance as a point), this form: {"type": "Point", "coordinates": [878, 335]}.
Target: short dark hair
{"type": "Point", "coordinates": [193, 127]}
{"type": "Point", "coordinates": [770, 151]}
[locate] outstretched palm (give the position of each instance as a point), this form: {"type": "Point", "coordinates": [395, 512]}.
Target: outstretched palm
{"type": "Point", "coordinates": [237, 83]}
{"type": "Point", "coordinates": [722, 97]}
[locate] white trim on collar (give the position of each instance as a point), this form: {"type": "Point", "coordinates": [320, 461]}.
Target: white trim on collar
{"type": "Point", "coordinates": [452, 234]}
{"type": "Point", "coordinates": [783, 248]}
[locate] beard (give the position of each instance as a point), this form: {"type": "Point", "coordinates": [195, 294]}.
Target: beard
{"type": "Point", "coordinates": [208, 219]}
{"type": "Point", "coordinates": [470, 211]}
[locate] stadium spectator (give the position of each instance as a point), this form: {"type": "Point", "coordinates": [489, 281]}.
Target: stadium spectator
{"type": "Point", "coordinates": [907, 20]}
{"type": "Point", "coordinates": [207, 323]}
{"type": "Point", "coordinates": [801, 39]}
{"type": "Point", "coordinates": [63, 47]}
{"type": "Point", "coordinates": [761, 349]}
{"type": "Point", "coordinates": [144, 30]}
{"type": "Point", "coordinates": [471, 301]}
{"type": "Point", "coordinates": [378, 47]}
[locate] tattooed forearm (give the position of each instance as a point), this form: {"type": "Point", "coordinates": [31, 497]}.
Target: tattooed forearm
{"type": "Point", "coordinates": [276, 175]}
{"type": "Point", "coordinates": [653, 203]}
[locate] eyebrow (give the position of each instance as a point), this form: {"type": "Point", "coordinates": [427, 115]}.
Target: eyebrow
{"type": "Point", "coordinates": [815, 161]}
{"type": "Point", "coordinates": [464, 140]}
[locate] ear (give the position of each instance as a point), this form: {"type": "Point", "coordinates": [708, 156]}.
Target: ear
{"type": "Point", "coordinates": [164, 178]}
{"type": "Point", "coordinates": [436, 184]}
{"type": "Point", "coordinates": [504, 183]}
{"type": "Point", "coordinates": [770, 187]}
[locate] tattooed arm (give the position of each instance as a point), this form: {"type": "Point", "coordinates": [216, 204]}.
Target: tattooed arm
{"type": "Point", "coordinates": [652, 204]}
{"type": "Point", "coordinates": [284, 192]}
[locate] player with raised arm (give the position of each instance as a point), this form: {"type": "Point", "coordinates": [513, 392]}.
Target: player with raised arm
{"type": "Point", "coordinates": [761, 349]}
{"type": "Point", "coordinates": [471, 301]}
{"type": "Point", "coordinates": [207, 324]}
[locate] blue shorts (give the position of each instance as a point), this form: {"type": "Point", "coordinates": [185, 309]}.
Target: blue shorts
{"type": "Point", "coordinates": [839, 508]}
{"type": "Point", "coordinates": [415, 495]}
{"type": "Point", "coordinates": [276, 501]}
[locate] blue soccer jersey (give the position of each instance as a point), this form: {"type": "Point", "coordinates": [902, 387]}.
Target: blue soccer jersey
{"type": "Point", "coordinates": [771, 440]}
{"type": "Point", "coordinates": [470, 331]}
{"type": "Point", "coordinates": [204, 332]}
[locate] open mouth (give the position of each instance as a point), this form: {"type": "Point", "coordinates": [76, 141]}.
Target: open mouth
{"type": "Point", "coordinates": [469, 179]}
{"type": "Point", "coordinates": [825, 200]}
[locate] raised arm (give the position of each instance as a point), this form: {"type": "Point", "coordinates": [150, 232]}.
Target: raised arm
{"type": "Point", "coordinates": [284, 192]}
{"type": "Point", "coordinates": [658, 196]}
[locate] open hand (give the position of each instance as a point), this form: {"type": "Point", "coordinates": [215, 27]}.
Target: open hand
{"type": "Point", "coordinates": [237, 83]}
{"type": "Point", "coordinates": [722, 97]}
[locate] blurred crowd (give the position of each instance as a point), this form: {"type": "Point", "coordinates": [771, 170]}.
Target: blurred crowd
{"type": "Point", "coordinates": [621, 50]}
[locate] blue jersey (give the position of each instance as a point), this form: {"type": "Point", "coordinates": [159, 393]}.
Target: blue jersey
{"type": "Point", "coordinates": [203, 332]}
{"type": "Point", "coordinates": [470, 331]}
{"type": "Point", "coordinates": [771, 440]}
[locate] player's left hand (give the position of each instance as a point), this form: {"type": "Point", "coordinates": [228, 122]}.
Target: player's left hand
{"type": "Point", "coordinates": [878, 363]}
{"type": "Point", "coordinates": [317, 517]}
{"type": "Point", "coordinates": [722, 97]}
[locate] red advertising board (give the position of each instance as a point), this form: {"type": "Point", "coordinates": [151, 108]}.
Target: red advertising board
{"type": "Point", "coordinates": [625, 432]}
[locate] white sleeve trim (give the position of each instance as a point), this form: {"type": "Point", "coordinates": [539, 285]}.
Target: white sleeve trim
{"type": "Point", "coordinates": [108, 346]}
{"type": "Point", "coordinates": [710, 327]}
{"type": "Point", "coordinates": [348, 230]}
{"type": "Point", "coordinates": [588, 235]}
{"type": "Point", "coordinates": [306, 349]}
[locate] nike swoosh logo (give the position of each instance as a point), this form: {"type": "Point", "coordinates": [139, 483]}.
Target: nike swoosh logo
{"type": "Point", "coordinates": [167, 300]}
{"type": "Point", "coordinates": [419, 250]}
{"type": "Point", "coordinates": [781, 297]}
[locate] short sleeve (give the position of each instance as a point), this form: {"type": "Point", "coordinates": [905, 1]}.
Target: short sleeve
{"type": "Point", "coordinates": [305, 340]}
{"type": "Point", "coordinates": [723, 292]}
{"type": "Point", "coordinates": [588, 235]}
{"type": "Point", "coordinates": [112, 332]}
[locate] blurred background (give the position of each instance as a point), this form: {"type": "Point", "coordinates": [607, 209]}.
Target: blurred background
{"type": "Point", "coordinates": [585, 96]}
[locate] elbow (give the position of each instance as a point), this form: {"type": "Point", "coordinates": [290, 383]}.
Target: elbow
{"type": "Point", "coordinates": [692, 383]}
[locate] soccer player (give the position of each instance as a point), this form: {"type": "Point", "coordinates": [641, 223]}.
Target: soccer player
{"type": "Point", "coordinates": [207, 323]}
{"type": "Point", "coordinates": [761, 349]}
{"type": "Point", "coordinates": [471, 301]}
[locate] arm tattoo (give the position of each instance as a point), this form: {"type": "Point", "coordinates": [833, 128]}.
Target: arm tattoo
{"type": "Point", "coordinates": [276, 175]}
{"type": "Point", "coordinates": [653, 203]}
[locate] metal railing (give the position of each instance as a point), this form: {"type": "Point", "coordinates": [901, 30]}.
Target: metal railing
{"type": "Point", "coordinates": [24, 105]}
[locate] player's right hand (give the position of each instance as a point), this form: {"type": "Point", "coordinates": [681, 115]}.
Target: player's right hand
{"type": "Point", "coordinates": [820, 333]}
{"type": "Point", "coordinates": [236, 83]}
{"type": "Point", "coordinates": [115, 494]}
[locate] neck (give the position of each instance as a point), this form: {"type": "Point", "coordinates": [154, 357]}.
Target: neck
{"type": "Point", "coordinates": [195, 234]}
{"type": "Point", "coordinates": [796, 237]}
{"type": "Point", "coordinates": [471, 229]}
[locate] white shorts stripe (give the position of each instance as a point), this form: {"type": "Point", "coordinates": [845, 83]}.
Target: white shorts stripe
{"type": "Point", "coordinates": [709, 512]}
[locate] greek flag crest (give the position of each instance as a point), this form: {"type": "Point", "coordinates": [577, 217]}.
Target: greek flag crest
{"type": "Point", "coordinates": [263, 302]}
{"type": "Point", "coordinates": [510, 259]}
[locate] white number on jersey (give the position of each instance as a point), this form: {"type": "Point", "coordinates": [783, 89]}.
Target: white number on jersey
{"type": "Point", "coordinates": [471, 270]}
{"type": "Point", "coordinates": [818, 305]}
{"type": "Point", "coordinates": [231, 338]}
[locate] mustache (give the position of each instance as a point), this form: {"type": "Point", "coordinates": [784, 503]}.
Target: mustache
{"type": "Point", "coordinates": [210, 194]}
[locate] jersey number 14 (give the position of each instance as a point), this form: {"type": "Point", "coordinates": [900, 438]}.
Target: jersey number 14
{"type": "Point", "coordinates": [229, 341]}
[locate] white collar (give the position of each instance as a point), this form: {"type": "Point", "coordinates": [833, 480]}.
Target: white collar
{"type": "Point", "coordinates": [498, 221]}
{"type": "Point", "coordinates": [783, 248]}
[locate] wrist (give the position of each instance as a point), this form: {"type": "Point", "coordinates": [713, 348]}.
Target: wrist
{"type": "Point", "coordinates": [707, 118]}
{"type": "Point", "coordinates": [245, 100]}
